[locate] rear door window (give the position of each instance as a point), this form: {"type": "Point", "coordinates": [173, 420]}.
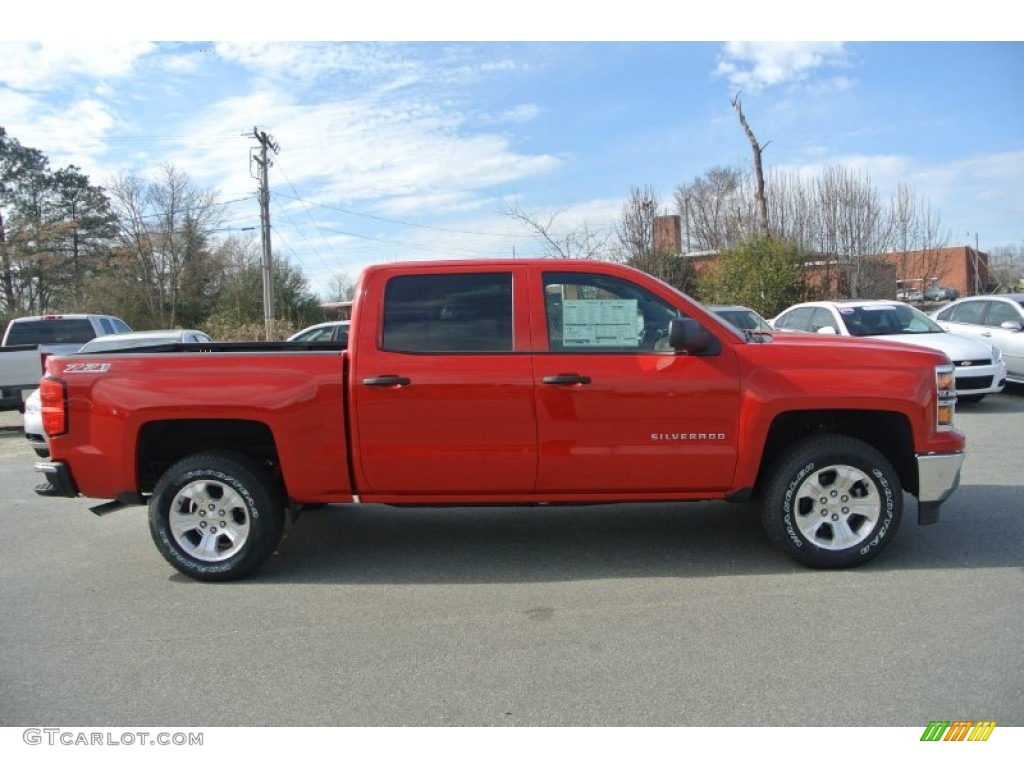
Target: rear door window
{"type": "Point", "coordinates": [448, 313]}
{"type": "Point", "coordinates": [970, 312]}
{"type": "Point", "coordinates": [797, 320]}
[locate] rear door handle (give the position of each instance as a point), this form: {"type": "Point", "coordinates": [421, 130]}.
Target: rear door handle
{"type": "Point", "coordinates": [387, 381]}
{"type": "Point", "coordinates": [566, 378]}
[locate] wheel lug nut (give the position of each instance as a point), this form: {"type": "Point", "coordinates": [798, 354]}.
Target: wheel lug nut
{"type": "Point", "coordinates": [202, 513]}
{"type": "Point", "coordinates": [202, 524]}
{"type": "Point", "coordinates": [835, 517]}
{"type": "Point", "coordinates": [846, 510]}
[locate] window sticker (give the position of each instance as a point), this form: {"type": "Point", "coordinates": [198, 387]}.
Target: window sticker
{"type": "Point", "coordinates": [600, 323]}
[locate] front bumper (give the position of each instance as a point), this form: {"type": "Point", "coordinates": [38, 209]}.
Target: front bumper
{"type": "Point", "coordinates": [980, 379]}
{"type": "Point", "coordinates": [938, 475]}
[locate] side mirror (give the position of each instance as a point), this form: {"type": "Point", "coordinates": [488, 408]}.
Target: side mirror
{"type": "Point", "coordinates": [827, 330]}
{"type": "Point", "coordinates": [687, 335]}
{"type": "Point", "coordinates": [1012, 325]}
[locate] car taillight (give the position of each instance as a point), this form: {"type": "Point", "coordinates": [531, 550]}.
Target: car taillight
{"type": "Point", "coordinates": [53, 399]}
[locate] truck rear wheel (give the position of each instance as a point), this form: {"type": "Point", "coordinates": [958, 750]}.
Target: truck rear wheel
{"type": "Point", "coordinates": [216, 516]}
{"type": "Point", "coordinates": [832, 502]}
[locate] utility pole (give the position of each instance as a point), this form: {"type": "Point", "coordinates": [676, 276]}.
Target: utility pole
{"type": "Point", "coordinates": [267, 143]}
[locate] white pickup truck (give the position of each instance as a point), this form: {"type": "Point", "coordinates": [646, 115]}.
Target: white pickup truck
{"type": "Point", "coordinates": [29, 340]}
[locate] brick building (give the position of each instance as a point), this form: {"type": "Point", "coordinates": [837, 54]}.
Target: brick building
{"type": "Point", "coordinates": [960, 267]}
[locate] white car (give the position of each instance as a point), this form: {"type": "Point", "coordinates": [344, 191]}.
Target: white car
{"type": "Point", "coordinates": [980, 369]}
{"type": "Point", "coordinates": [33, 416]}
{"type": "Point", "coordinates": [997, 320]}
{"type": "Point", "coordinates": [33, 421]}
{"type": "Point", "coordinates": [334, 330]}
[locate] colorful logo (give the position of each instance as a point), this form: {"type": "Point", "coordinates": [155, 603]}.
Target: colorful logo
{"type": "Point", "coordinates": [958, 730]}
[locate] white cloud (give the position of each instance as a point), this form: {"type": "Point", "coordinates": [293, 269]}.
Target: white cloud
{"type": "Point", "coordinates": [401, 154]}
{"type": "Point", "coordinates": [37, 65]}
{"type": "Point", "coordinates": [754, 66]}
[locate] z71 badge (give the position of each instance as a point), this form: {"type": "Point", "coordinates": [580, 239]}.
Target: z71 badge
{"type": "Point", "coordinates": [86, 367]}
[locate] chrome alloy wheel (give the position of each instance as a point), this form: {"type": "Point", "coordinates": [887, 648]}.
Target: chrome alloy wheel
{"type": "Point", "coordinates": [837, 507]}
{"type": "Point", "coordinates": [209, 520]}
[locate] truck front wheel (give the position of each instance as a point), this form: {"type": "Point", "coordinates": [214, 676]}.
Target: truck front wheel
{"type": "Point", "coordinates": [832, 502]}
{"type": "Point", "coordinates": [216, 516]}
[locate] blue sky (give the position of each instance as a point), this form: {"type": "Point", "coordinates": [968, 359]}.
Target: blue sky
{"type": "Point", "coordinates": [412, 149]}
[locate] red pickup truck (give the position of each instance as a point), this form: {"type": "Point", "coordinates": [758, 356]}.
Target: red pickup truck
{"type": "Point", "coordinates": [507, 382]}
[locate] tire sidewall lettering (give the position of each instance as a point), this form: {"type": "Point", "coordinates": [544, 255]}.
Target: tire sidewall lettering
{"type": "Point", "coordinates": [188, 562]}
{"type": "Point", "coordinates": [788, 512]}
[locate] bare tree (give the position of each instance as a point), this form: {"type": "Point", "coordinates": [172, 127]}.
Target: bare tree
{"type": "Point", "coordinates": [1006, 269]}
{"type": "Point", "coordinates": [578, 243]}
{"type": "Point", "coordinates": [165, 231]}
{"type": "Point", "coordinates": [916, 239]}
{"type": "Point", "coordinates": [635, 229]}
{"type": "Point", "coordinates": [341, 287]}
{"type": "Point", "coordinates": [714, 210]}
{"type": "Point", "coordinates": [758, 149]}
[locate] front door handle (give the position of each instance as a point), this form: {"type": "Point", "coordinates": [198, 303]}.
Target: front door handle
{"type": "Point", "coordinates": [566, 378]}
{"type": "Point", "coordinates": [387, 381]}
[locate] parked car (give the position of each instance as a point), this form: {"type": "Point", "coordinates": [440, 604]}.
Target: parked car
{"type": "Point", "coordinates": [144, 339]}
{"type": "Point", "coordinates": [33, 414]}
{"type": "Point", "coordinates": [996, 320]}
{"type": "Point", "coordinates": [33, 421]}
{"type": "Point", "coordinates": [743, 318]}
{"type": "Point", "coordinates": [335, 330]}
{"type": "Point", "coordinates": [940, 293]}
{"type": "Point", "coordinates": [980, 369]}
{"type": "Point", "coordinates": [911, 296]}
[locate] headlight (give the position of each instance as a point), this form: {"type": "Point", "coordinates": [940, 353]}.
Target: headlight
{"type": "Point", "coordinates": [997, 354]}
{"type": "Point", "coordinates": [945, 397]}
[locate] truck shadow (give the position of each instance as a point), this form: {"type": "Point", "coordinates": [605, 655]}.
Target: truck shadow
{"type": "Point", "coordinates": [981, 528]}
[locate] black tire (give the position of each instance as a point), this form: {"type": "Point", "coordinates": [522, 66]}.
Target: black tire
{"type": "Point", "coordinates": [216, 491]}
{"type": "Point", "coordinates": [832, 502]}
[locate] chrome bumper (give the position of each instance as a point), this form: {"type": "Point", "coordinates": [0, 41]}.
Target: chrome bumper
{"type": "Point", "coordinates": [938, 475]}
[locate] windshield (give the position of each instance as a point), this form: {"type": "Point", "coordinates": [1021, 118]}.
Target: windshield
{"type": "Point", "coordinates": [744, 319]}
{"type": "Point", "coordinates": [886, 320]}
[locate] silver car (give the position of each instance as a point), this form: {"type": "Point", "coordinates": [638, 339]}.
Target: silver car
{"type": "Point", "coordinates": [997, 320]}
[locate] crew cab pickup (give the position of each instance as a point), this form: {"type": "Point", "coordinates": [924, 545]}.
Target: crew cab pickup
{"type": "Point", "coordinates": [507, 382]}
